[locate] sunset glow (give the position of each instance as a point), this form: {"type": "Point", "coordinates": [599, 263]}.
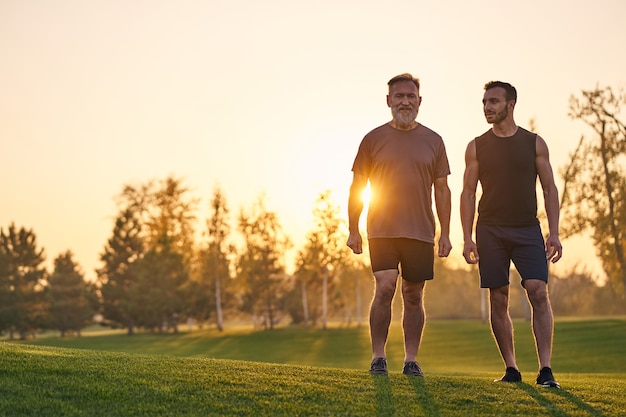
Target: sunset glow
{"type": "Point", "coordinates": [266, 97]}
{"type": "Point", "coordinates": [366, 196]}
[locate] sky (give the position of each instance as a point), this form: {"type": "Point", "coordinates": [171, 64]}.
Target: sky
{"type": "Point", "coordinates": [268, 97]}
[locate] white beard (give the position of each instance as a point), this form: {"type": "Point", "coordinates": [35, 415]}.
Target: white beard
{"type": "Point", "coordinates": [403, 120]}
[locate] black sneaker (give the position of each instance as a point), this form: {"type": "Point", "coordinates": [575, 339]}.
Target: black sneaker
{"type": "Point", "coordinates": [510, 375]}
{"type": "Point", "coordinates": [412, 368]}
{"type": "Point", "coordinates": [546, 379]}
{"type": "Point", "coordinates": [379, 366]}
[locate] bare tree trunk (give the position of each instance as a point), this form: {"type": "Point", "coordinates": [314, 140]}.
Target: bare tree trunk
{"type": "Point", "coordinates": [175, 322]}
{"type": "Point", "coordinates": [359, 317]}
{"type": "Point", "coordinates": [218, 304]}
{"type": "Point", "coordinates": [324, 296]}
{"type": "Point", "coordinates": [218, 295]}
{"type": "Point", "coordinates": [305, 304]}
{"type": "Point", "coordinates": [270, 316]}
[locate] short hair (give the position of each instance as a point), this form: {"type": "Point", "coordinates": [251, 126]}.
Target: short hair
{"type": "Point", "coordinates": [510, 93]}
{"type": "Point", "coordinates": [404, 77]}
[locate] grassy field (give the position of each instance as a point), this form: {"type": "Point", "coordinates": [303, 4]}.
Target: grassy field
{"type": "Point", "coordinates": [295, 371]}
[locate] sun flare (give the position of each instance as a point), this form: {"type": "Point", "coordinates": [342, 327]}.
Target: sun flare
{"type": "Point", "coordinates": [366, 196]}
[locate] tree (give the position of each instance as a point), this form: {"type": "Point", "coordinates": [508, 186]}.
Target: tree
{"type": "Point", "coordinates": [155, 217]}
{"type": "Point", "coordinates": [123, 249]}
{"type": "Point", "coordinates": [170, 229]}
{"type": "Point", "coordinates": [215, 262]}
{"type": "Point", "coordinates": [352, 283]}
{"type": "Point", "coordinates": [155, 296]}
{"type": "Point", "coordinates": [324, 255]}
{"type": "Point", "coordinates": [22, 282]}
{"type": "Point", "coordinates": [309, 288]}
{"type": "Point", "coordinates": [594, 193]}
{"type": "Point", "coordinates": [171, 213]}
{"type": "Point", "coordinates": [71, 305]}
{"type": "Point", "coordinates": [261, 266]}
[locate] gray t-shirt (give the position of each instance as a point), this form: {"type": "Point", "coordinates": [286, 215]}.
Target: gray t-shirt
{"type": "Point", "coordinates": [402, 167]}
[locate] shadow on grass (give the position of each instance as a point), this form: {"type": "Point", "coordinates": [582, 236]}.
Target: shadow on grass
{"type": "Point", "coordinates": [578, 402]}
{"type": "Point", "coordinates": [429, 406]}
{"type": "Point", "coordinates": [384, 402]}
{"type": "Point", "coordinates": [551, 408]}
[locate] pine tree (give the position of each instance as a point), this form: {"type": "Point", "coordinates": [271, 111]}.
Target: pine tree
{"type": "Point", "coordinates": [70, 308]}
{"type": "Point", "coordinates": [22, 282]}
{"type": "Point", "coordinates": [123, 249]}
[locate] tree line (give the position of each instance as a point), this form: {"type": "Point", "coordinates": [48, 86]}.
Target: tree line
{"type": "Point", "coordinates": [158, 270]}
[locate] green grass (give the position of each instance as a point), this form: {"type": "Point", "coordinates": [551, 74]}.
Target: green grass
{"type": "Point", "coordinates": [596, 345]}
{"type": "Point", "coordinates": [294, 371]}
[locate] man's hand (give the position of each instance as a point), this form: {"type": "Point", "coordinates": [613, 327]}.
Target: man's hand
{"type": "Point", "coordinates": [355, 242]}
{"type": "Point", "coordinates": [470, 252]}
{"type": "Point", "coordinates": [444, 246]}
{"type": "Point", "coordinates": [554, 249]}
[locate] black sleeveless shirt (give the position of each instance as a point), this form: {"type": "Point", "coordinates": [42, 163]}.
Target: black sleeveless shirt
{"type": "Point", "coordinates": [508, 177]}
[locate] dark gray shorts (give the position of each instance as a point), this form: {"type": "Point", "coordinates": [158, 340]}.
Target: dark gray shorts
{"type": "Point", "coordinates": [413, 258]}
{"type": "Point", "coordinates": [498, 246]}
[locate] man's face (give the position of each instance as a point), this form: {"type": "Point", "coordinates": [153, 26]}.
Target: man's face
{"type": "Point", "coordinates": [495, 106]}
{"type": "Point", "coordinates": [404, 101]}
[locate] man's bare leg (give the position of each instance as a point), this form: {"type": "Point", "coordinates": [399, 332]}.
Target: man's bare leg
{"type": "Point", "coordinates": [543, 322]}
{"type": "Point", "coordinates": [413, 318]}
{"type": "Point", "coordinates": [501, 324]}
{"type": "Point", "coordinates": [380, 310]}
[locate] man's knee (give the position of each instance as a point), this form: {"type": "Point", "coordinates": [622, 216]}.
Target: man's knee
{"type": "Point", "coordinates": [413, 292]}
{"type": "Point", "coordinates": [537, 291]}
{"type": "Point", "coordinates": [499, 298]}
{"type": "Point", "coordinates": [386, 284]}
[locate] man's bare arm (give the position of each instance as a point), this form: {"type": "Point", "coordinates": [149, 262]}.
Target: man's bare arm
{"type": "Point", "coordinates": [468, 203]}
{"type": "Point", "coordinates": [554, 249]}
{"type": "Point", "coordinates": [355, 207]}
{"type": "Point", "coordinates": [443, 204]}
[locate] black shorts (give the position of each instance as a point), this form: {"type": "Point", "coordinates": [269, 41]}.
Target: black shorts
{"type": "Point", "coordinates": [413, 258]}
{"type": "Point", "coordinates": [498, 246]}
